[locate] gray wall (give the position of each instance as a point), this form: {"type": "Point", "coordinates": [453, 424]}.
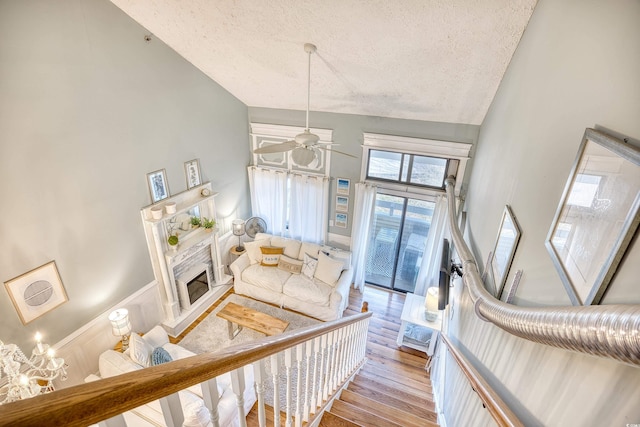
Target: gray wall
{"type": "Point", "coordinates": [87, 108]}
{"type": "Point", "coordinates": [577, 66]}
{"type": "Point", "coordinates": [348, 132]}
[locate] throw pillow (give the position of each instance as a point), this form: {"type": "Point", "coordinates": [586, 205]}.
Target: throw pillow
{"type": "Point", "coordinates": [308, 248]}
{"type": "Point", "coordinates": [159, 356]}
{"type": "Point", "coordinates": [309, 265]}
{"type": "Point", "coordinates": [290, 265]}
{"type": "Point", "coordinates": [328, 269]}
{"type": "Point", "coordinates": [291, 247]}
{"type": "Point", "coordinates": [253, 250]}
{"type": "Point", "coordinates": [270, 255]}
{"type": "Point", "coordinates": [139, 350]}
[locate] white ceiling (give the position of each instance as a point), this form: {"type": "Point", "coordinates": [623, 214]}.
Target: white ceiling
{"type": "Point", "coordinates": [435, 60]}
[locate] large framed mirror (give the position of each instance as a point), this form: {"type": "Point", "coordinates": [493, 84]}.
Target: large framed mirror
{"type": "Point", "coordinates": [597, 216]}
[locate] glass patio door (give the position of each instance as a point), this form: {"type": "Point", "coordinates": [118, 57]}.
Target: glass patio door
{"type": "Point", "coordinates": [396, 241]}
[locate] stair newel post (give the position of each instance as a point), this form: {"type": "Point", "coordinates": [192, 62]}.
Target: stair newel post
{"type": "Point", "coordinates": [238, 387]}
{"type": "Point", "coordinates": [288, 364]}
{"type": "Point", "coordinates": [260, 378]}
{"type": "Point", "coordinates": [275, 374]}
{"type": "Point", "coordinates": [317, 352]}
{"type": "Point", "coordinates": [299, 401]}
{"type": "Point", "coordinates": [211, 398]}
{"type": "Point", "coordinates": [308, 352]}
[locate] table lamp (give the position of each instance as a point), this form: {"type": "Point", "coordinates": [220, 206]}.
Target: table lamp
{"type": "Point", "coordinates": [238, 230]}
{"type": "Point", "coordinates": [121, 326]}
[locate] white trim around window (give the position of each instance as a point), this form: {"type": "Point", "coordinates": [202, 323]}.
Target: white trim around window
{"type": "Point", "coordinates": [425, 147]}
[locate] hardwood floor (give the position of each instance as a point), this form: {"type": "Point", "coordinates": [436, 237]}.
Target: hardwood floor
{"type": "Point", "coordinates": [393, 375]}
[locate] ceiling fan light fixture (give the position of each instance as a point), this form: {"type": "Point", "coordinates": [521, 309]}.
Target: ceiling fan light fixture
{"type": "Point", "coordinates": [303, 156]}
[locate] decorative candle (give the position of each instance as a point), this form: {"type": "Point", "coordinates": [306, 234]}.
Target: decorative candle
{"type": "Point", "coordinates": [431, 304]}
{"type": "Point", "coordinates": [39, 345]}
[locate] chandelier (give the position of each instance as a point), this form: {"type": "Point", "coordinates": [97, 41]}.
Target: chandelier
{"type": "Point", "coordinates": [22, 377]}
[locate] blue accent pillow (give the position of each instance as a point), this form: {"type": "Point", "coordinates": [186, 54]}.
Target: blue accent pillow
{"type": "Point", "coordinates": [160, 355]}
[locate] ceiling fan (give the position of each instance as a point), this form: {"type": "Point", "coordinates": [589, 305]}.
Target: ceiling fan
{"type": "Point", "coordinates": [304, 145]}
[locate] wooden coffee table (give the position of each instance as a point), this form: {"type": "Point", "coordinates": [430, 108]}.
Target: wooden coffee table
{"type": "Point", "coordinates": [252, 319]}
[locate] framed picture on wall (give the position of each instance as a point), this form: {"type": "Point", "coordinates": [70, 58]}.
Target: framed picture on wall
{"type": "Point", "coordinates": [342, 186]}
{"type": "Point", "coordinates": [597, 216]}
{"type": "Point", "coordinates": [192, 172]}
{"type": "Point", "coordinates": [341, 220]}
{"type": "Point", "coordinates": [158, 186]}
{"type": "Point", "coordinates": [342, 204]}
{"type": "Point", "coordinates": [36, 292]}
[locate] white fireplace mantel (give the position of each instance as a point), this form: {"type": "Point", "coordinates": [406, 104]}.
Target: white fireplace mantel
{"type": "Point", "coordinates": [194, 246]}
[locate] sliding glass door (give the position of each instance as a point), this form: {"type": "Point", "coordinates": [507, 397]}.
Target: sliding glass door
{"type": "Point", "coordinates": [396, 241]}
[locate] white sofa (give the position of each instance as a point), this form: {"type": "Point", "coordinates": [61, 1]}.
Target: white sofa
{"type": "Point", "coordinates": [325, 295]}
{"type": "Point", "coordinates": [112, 363]}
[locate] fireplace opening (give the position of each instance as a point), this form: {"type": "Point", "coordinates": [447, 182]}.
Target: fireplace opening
{"type": "Point", "coordinates": [193, 284]}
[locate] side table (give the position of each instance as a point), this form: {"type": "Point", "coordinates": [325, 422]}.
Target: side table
{"type": "Point", "coordinates": [413, 314]}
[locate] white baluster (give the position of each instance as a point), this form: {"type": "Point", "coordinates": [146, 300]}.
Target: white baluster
{"type": "Point", "coordinates": [275, 373]}
{"type": "Point", "coordinates": [260, 378]}
{"type": "Point", "coordinates": [299, 356]}
{"type": "Point", "coordinates": [317, 349]}
{"type": "Point", "coordinates": [288, 364]}
{"type": "Point", "coordinates": [238, 386]}
{"type": "Point", "coordinates": [117, 421]}
{"type": "Point", "coordinates": [172, 410]}
{"type": "Point", "coordinates": [211, 399]}
{"type": "Point", "coordinates": [327, 368]}
{"type": "Point", "coordinates": [308, 353]}
{"type": "Point", "coordinates": [337, 371]}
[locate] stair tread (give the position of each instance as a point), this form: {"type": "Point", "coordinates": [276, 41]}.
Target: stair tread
{"type": "Point", "coordinates": [393, 414]}
{"type": "Point", "coordinates": [419, 407]}
{"type": "Point", "coordinates": [329, 419]}
{"type": "Point", "coordinates": [360, 416]}
{"type": "Point", "coordinates": [391, 387]}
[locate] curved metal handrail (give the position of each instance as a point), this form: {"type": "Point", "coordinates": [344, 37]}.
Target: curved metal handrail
{"type": "Point", "coordinates": [611, 331]}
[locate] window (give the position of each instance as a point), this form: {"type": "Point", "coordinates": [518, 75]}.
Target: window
{"type": "Point", "coordinates": [407, 168]}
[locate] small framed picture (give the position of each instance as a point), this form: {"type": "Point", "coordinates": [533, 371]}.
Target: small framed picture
{"type": "Point", "coordinates": [342, 186]}
{"type": "Point", "coordinates": [341, 220]}
{"type": "Point", "coordinates": [192, 171]}
{"type": "Point", "coordinates": [158, 186]}
{"type": "Point", "coordinates": [342, 204]}
{"type": "Point", "coordinates": [36, 292]}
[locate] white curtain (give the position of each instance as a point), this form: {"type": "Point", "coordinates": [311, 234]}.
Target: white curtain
{"type": "Point", "coordinates": [269, 197]}
{"type": "Point", "coordinates": [365, 197]}
{"type": "Point", "coordinates": [429, 272]}
{"type": "Point", "coordinates": [308, 210]}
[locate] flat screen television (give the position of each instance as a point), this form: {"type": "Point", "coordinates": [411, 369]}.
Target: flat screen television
{"type": "Point", "coordinates": [445, 276]}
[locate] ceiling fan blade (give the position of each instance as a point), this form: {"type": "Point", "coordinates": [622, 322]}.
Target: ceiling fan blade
{"type": "Point", "coordinates": [276, 148]}
{"type": "Point", "coordinates": [336, 151]}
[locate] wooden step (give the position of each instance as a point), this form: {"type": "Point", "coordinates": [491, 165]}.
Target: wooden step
{"type": "Point", "coordinates": [400, 391]}
{"type": "Point", "coordinates": [360, 416]}
{"type": "Point", "coordinates": [330, 419]}
{"type": "Point", "coordinates": [397, 379]}
{"type": "Point", "coordinates": [416, 407]}
{"type": "Point", "coordinates": [383, 410]}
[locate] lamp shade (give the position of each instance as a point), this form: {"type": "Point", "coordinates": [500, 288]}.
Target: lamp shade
{"type": "Point", "coordinates": [120, 322]}
{"type": "Point", "coordinates": [238, 227]}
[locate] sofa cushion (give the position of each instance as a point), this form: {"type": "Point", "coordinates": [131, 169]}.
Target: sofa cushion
{"type": "Point", "coordinates": [307, 290]}
{"type": "Point", "coordinates": [328, 269]}
{"type": "Point", "coordinates": [308, 248]}
{"type": "Point", "coordinates": [156, 337]}
{"type": "Point", "coordinates": [270, 255]}
{"type": "Point", "coordinates": [262, 236]}
{"type": "Point", "coordinates": [140, 350]}
{"type": "Point", "coordinates": [265, 277]}
{"type": "Point", "coordinates": [112, 363]}
{"type": "Point", "coordinates": [291, 246]}
{"type": "Point", "coordinates": [253, 250]}
{"type": "Point", "coordinates": [309, 265]}
{"type": "Point", "coordinates": [290, 265]}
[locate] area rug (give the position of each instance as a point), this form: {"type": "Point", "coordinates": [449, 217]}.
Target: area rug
{"type": "Point", "coordinates": [212, 333]}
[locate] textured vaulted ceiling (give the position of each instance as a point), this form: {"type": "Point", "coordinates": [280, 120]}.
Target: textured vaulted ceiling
{"type": "Point", "coordinates": [436, 60]}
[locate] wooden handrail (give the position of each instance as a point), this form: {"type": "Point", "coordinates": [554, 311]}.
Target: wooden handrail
{"type": "Point", "coordinates": [498, 409]}
{"type": "Point", "coordinates": [89, 403]}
